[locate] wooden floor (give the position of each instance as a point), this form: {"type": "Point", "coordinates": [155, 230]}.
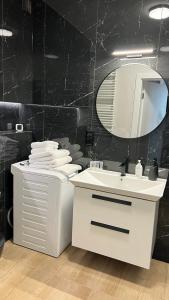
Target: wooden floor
{"type": "Point", "coordinates": [77, 274]}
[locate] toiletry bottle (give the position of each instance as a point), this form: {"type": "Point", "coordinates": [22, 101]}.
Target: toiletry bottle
{"type": "Point", "coordinates": [153, 172]}
{"type": "Point", "coordinates": [139, 169]}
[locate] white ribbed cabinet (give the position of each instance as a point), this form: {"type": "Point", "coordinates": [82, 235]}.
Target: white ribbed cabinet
{"type": "Point", "coordinates": [116, 226]}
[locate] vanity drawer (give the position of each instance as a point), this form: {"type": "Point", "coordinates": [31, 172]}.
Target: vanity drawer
{"type": "Point", "coordinates": [105, 207]}
{"type": "Point", "coordinates": [115, 229]}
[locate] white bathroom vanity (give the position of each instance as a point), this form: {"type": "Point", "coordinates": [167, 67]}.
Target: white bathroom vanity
{"type": "Point", "coordinates": [116, 216]}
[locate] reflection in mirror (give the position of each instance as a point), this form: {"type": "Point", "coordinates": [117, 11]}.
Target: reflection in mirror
{"type": "Point", "coordinates": [132, 101]}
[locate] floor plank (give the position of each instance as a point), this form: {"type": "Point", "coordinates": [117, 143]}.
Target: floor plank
{"type": "Point", "coordinates": [77, 275]}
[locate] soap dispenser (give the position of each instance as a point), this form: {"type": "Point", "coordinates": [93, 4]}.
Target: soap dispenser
{"type": "Point", "coordinates": [153, 172]}
{"type": "Point", "coordinates": [139, 169]}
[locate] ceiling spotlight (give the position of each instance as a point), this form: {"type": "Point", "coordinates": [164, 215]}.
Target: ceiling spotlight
{"type": "Point", "coordinates": [133, 52]}
{"type": "Point", "coordinates": [159, 12]}
{"type": "Point", "coordinates": [5, 32]}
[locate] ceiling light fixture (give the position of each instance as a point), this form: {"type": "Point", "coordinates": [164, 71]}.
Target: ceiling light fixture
{"type": "Point", "coordinates": [159, 12]}
{"type": "Point", "coordinates": [5, 32]}
{"type": "Point", "coordinates": [51, 56]}
{"type": "Point", "coordinates": [133, 52]}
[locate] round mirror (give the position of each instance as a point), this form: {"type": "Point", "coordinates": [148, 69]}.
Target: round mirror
{"type": "Point", "coordinates": [132, 101]}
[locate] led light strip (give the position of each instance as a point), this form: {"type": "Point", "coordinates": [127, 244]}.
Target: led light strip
{"type": "Point", "coordinates": [133, 52]}
{"type": "Point", "coordinates": [5, 32]}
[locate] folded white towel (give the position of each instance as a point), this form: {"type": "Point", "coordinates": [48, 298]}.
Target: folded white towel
{"type": "Point", "coordinates": [49, 155]}
{"type": "Point", "coordinates": [45, 159]}
{"type": "Point", "coordinates": [76, 155]}
{"type": "Point", "coordinates": [40, 155]}
{"type": "Point", "coordinates": [83, 161]}
{"type": "Point", "coordinates": [52, 164]}
{"type": "Point", "coordinates": [69, 169]}
{"type": "Point", "coordinates": [74, 148]}
{"type": "Point", "coordinates": [42, 149]}
{"type": "Point", "coordinates": [44, 144]}
{"type": "Point", "coordinates": [62, 140]}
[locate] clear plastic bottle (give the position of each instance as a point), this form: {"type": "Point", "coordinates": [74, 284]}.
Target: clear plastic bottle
{"type": "Point", "coordinates": [139, 169]}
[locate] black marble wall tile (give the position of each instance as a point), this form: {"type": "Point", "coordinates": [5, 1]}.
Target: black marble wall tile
{"type": "Point", "coordinates": [67, 62]}
{"type": "Point", "coordinates": [82, 14]}
{"type": "Point", "coordinates": [61, 59]}
{"type": "Point", "coordinates": [52, 122]}
{"type": "Point", "coordinates": [17, 52]}
{"type": "Point", "coordinates": [32, 117]}
{"type": "Point", "coordinates": [9, 113]}
{"type": "Point", "coordinates": [38, 19]}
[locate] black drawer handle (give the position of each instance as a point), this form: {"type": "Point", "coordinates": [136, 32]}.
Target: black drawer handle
{"type": "Point", "coordinates": [123, 230]}
{"type": "Point", "coordinates": [123, 202]}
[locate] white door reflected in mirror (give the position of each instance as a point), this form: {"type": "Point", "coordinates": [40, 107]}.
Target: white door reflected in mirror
{"type": "Point", "coordinates": [132, 101]}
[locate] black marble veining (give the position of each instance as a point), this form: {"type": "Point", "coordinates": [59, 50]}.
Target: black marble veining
{"type": "Point", "coordinates": [16, 52]}
{"type": "Point", "coordinates": [51, 122]}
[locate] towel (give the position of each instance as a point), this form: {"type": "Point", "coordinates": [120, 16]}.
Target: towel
{"type": "Point", "coordinates": [69, 169]}
{"type": "Point", "coordinates": [63, 142]}
{"type": "Point", "coordinates": [44, 144]}
{"type": "Point", "coordinates": [45, 159]}
{"type": "Point", "coordinates": [40, 155]}
{"type": "Point", "coordinates": [76, 155]}
{"type": "Point", "coordinates": [83, 161]}
{"type": "Point", "coordinates": [52, 164]}
{"type": "Point", "coordinates": [42, 149]}
{"type": "Point", "coordinates": [49, 155]}
{"type": "Point", "coordinates": [74, 148]}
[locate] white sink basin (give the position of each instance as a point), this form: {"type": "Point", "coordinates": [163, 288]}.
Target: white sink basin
{"type": "Point", "coordinates": [112, 182]}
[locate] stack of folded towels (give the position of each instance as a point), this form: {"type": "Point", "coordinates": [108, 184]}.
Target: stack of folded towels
{"type": "Point", "coordinates": [46, 155]}
{"type": "Point", "coordinates": [75, 152]}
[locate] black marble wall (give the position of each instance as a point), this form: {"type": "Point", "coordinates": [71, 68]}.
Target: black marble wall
{"type": "Point", "coordinates": [16, 51]}
{"type": "Point", "coordinates": [61, 60]}
{"type": "Point", "coordinates": [46, 60]}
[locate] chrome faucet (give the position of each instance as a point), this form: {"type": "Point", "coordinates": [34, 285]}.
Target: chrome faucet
{"type": "Point", "coordinates": [124, 167]}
